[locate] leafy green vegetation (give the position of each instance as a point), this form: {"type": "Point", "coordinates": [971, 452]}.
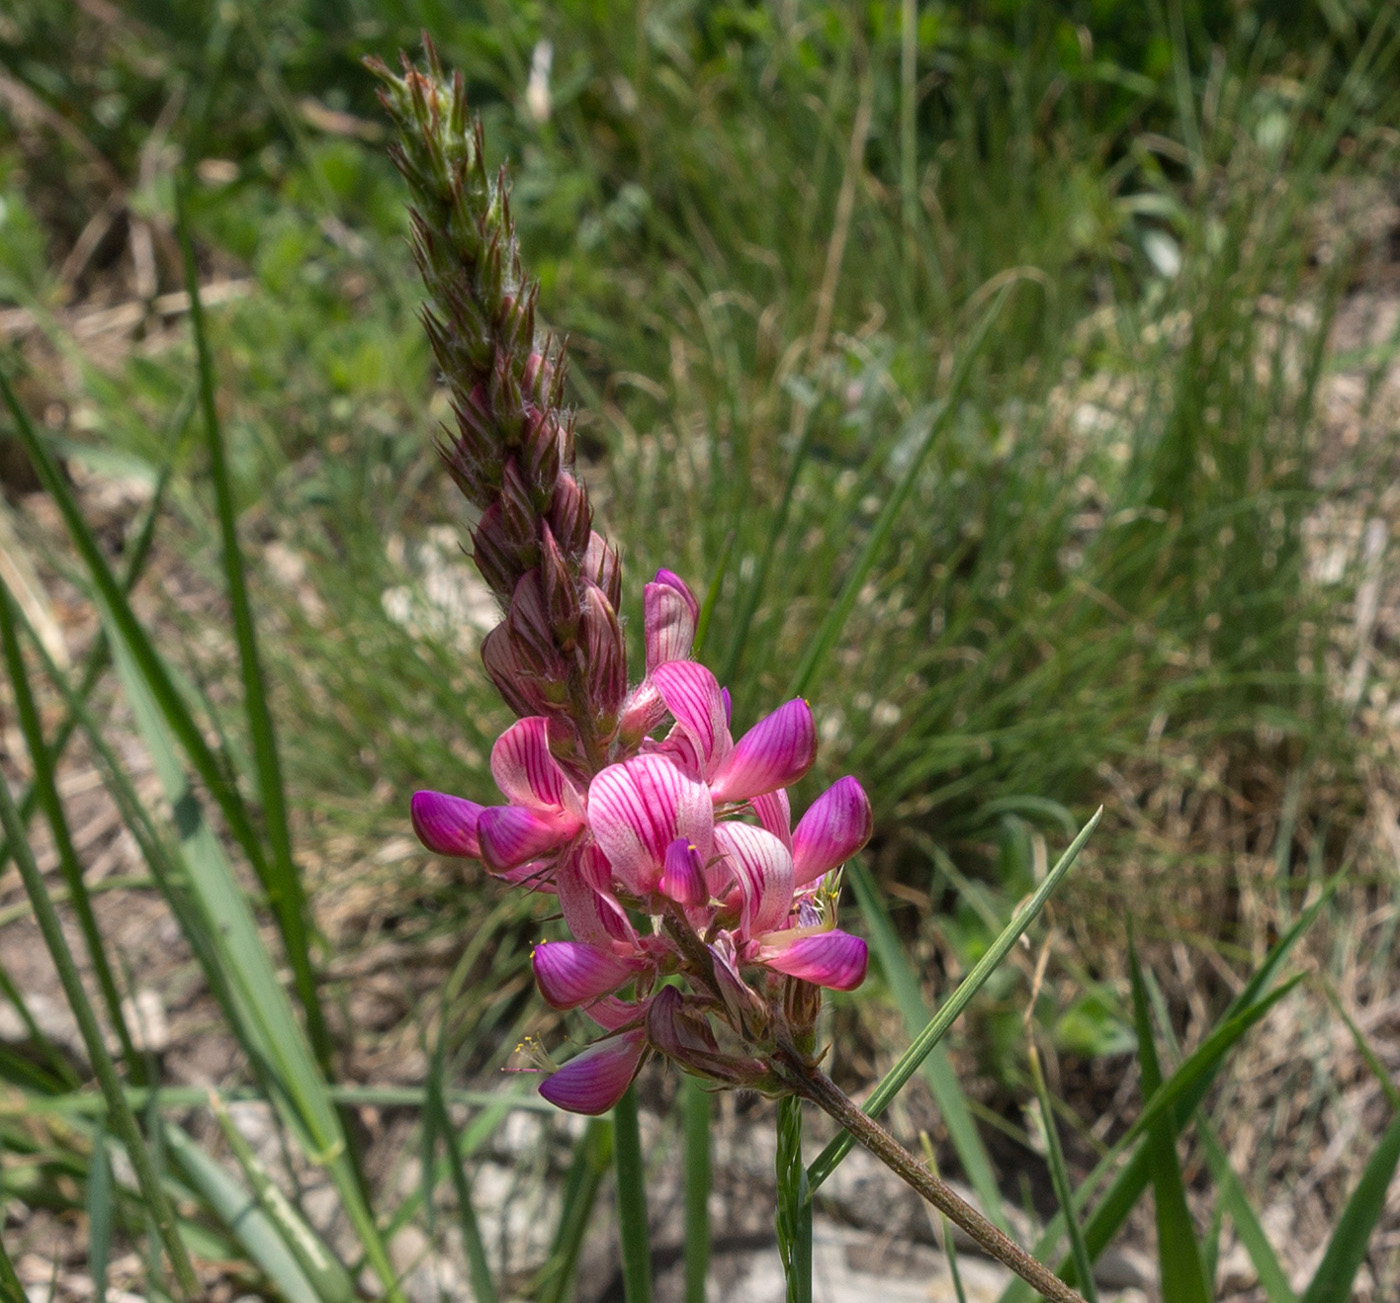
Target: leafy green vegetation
{"type": "Point", "coordinates": [976, 360]}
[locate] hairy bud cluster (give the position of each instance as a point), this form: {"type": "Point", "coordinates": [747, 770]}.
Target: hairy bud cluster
{"type": "Point", "coordinates": [560, 652]}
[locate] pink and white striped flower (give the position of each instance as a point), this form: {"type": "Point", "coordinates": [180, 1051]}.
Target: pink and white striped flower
{"type": "Point", "coordinates": [695, 831]}
{"type": "Point", "coordinates": [520, 841]}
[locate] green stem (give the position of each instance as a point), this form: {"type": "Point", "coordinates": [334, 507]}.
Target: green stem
{"type": "Point", "coordinates": [695, 1103]}
{"type": "Point", "coordinates": [794, 1220]}
{"type": "Point", "coordinates": [631, 1200]}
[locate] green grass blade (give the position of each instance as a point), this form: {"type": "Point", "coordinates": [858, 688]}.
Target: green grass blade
{"type": "Point", "coordinates": [328, 1277]}
{"type": "Point", "coordinates": [142, 650]}
{"type": "Point", "coordinates": [46, 787]}
{"type": "Point", "coordinates": [1235, 1202]}
{"type": "Point", "coordinates": [895, 1080]}
{"type": "Point", "coordinates": [1346, 1250]}
{"type": "Point", "coordinates": [239, 1212]}
{"type": "Point", "coordinates": [1059, 1177]}
{"type": "Point", "coordinates": [274, 1037]}
{"type": "Point", "coordinates": [695, 1114]}
{"type": "Point", "coordinates": [437, 1122]}
{"type": "Point", "coordinates": [707, 608]}
{"type": "Point", "coordinates": [101, 1213]}
{"type": "Point", "coordinates": [794, 1211]}
{"type": "Point", "coordinates": [592, 1157]}
{"type": "Point", "coordinates": [282, 882]}
{"type": "Point", "coordinates": [631, 1200]}
{"type": "Point", "coordinates": [99, 655]}
{"type": "Point", "coordinates": [937, 1070]}
{"type": "Point", "coordinates": [1178, 1250]}
{"type": "Point", "coordinates": [123, 1120]}
{"type": "Point", "coordinates": [830, 628]}
{"type": "Point", "coordinates": [11, 1291]}
{"type": "Point", "coordinates": [1184, 1090]}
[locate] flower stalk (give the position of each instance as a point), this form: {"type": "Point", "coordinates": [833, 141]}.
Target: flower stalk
{"type": "Point", "coordinates": [703, 922]}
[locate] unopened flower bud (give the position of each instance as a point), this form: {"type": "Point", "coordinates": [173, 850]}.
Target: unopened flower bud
{"type": "Point", "coordinates": [530, 631]}
{"type": "Point", "coordinates": [570, 516]}
{"type": "Point", "coordinates": [493, 554]}
{"type": "Point", "coordinates": [602, 565]}
{"type": "Point", "coordinates": [604, 652]}
{"type": "Point", "coordinates": [517, 509]}
{"type": "Point", "coordinates": [542, 450]}
{"type": "Point", "coordinates": [560, 590]}
{"type": "Point", "coordinates": [508, 673]}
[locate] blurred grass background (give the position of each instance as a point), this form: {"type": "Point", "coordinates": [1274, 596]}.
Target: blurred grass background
{"type": "Point", "coordinates": [1021, 374]}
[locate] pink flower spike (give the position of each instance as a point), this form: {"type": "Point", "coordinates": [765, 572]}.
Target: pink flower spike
{"type": "Point", "coordinates": [671, 614]}
{"type": "Point", "coordinates": [683, 877]}
{"type": "Point", "coordinates": [636, 809]}
{"type": "Point", "coordinates": [596, 1079]}
{"type": "Point", "coordinates": [835, 827]}
{"type": "Point", "coordinates": [512, 834]}
{"type": "Point", "coordinates": [692, 695]}
{"type": "Point", "coordinates": [446, 825]}
{"type": "Point", "coordinates": [763, 868]}
{"type": "Point", "coordinates": [835, 959]}
{"type": "Point", "coordinates": [570, 973]}
{"type": "Point", "coordinates": [774, 753]}
{"type": "Point", "coordinates": [524, 769]}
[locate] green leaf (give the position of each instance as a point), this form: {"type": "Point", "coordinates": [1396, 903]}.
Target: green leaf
{"type": "Point", "coordinates": [1235, 1202]}
{"type": "Point", "coordinates": [239, 1211]}
{"type": "Point", "coordinates": [937, 1070]}
{"type": "Point", "coordinates": [1184, 1090]}
{"type": "Point", "coordinates": [1059, 1178]}
{"type": "Point", "coordinates": [631, 1199]}
{"type": "Point", "coordinates": [100, 1211]}
{"type": "Point", "coordinates": [1178, 1251]}
{"type": "Point", "coordinates": [1346, 1250]}
{"type": "Point", "coordinates": [280, 878]}
{"type": "Point", "coordinates": [895, 1080]}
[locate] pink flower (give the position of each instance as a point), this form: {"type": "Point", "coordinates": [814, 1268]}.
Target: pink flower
{"type": "Point", "coordinates": [519, 841]}
{"type": "Point", "coordinates": [694, 830]}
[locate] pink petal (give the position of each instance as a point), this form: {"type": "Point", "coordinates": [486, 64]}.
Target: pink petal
{"type": "Point", "coordinates": [763, 868]}
{"type": "Point", "coordinates": [593, 915]}
{"type": "Point", "coordinates": [446, 825]}
{"type": "Point", "coordinates": [693, 696]}
{"type": "Point", "coordinates": [683, 877]}
{"type": "Point", "coordinates": [642, 711]}
{"type": "Point", "coordinates": [671, 614]}
{"type": "Point", "coordinates": [594, 1081]}
{"type": "Point", "coordinates": [511, 834]}
{"type": "Point", "coordinates": [523, 767]}
{"type": "Point", "coordinates": [533, 875]}
{"type": "Point", "coordinates": [638, 808]}
{"type": "Point", "coordinates": [613, 1014]}
{"type": "Point", "coordinates": [774, 812]}
{"type": "Point", "coordinates": [774, 753]}
{"type": "Point", "coordinates": [835, 827]}
{"type": "Point", "coordinates": [570, 974]}
{"type": "Point", "coordinates": [835, 959]}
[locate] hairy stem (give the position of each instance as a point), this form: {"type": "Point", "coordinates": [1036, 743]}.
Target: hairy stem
{"type": "Point", "coordinates": [812, 1083]}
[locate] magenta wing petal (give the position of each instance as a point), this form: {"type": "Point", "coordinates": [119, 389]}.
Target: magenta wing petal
{"type": "Point", "coordinates": [511, 834]}
{"type": "Point", "coordinates": [638, 808]}
{"type": "Point", "coordinates": [670, 616]}
{"type": "Point", "coordinates": [774, 812]}
{"type": "Point", "coordinates": [446, 825]}
{"type": "Point", "coordinates": [835, 959]}
{"type": "Point", "coordinates": [693, 696]}
{"type": "Point", "coordinates": [523, 767]}
{"type": "Point", "coordinates": [774, 753]}
{"type": "Point", "coordinates": [596, 1079]}
{"type": "Point", "coordinates": [592, 914]}
{"type": "Point", "coordinates": [763, 869]}
{"type": "Point", "coordinates": [836, 826]}
{"type": "Point", "coordinates": [683, 875]}
{"type": "Point", "coordinates": [570, 973]}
